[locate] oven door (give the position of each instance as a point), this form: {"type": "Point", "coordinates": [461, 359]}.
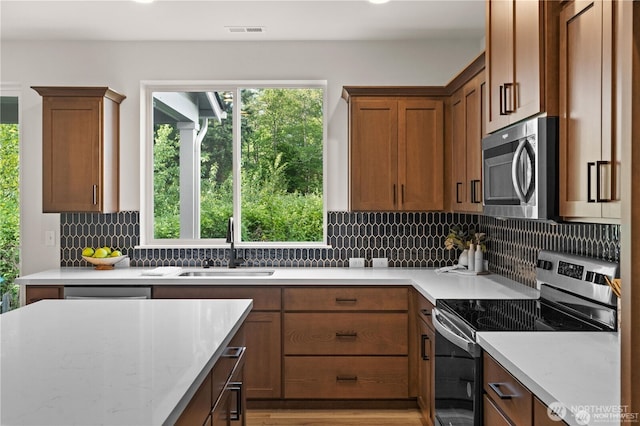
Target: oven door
{"type": "Point", "coordinates": [458, 374]}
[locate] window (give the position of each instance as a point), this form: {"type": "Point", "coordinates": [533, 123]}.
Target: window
{"type": "Point", "coordinates": [217, 150]}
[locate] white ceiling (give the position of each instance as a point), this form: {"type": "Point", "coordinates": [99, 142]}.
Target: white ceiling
{"type": "Point", "coordinates": [305, 20]}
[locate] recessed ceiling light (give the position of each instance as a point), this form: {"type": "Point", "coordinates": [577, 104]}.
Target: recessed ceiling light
{"type": "Point", "coordinates": [143, 1]}
{"type": "Point", "coordinates": [378, 1]}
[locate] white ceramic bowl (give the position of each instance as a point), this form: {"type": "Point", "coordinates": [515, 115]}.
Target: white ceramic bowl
{"type": "Point", "coordinates": [103, 260]}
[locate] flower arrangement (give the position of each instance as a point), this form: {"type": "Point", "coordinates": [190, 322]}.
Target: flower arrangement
{"type": "Point", "coordinates": [461, 238]}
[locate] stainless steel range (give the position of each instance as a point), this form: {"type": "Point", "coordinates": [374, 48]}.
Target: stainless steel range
{"type": "Point", "coordinates": [574, 296]}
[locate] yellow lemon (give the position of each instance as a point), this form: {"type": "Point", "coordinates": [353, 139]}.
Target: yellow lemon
{"type": "Point", "coordinates": [107, 249]}
{"type": "Point", "coordinates": [87, 251]}
{"type": "Point", "coordinates": [116, 253]}
{"type": "Point", "coordinates": [100, 253]}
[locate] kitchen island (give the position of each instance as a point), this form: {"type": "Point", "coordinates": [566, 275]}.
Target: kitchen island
{"type": "Point", "coordinates": [115, 362]}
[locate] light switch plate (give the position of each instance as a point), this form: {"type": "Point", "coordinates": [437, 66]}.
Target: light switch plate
{"type": "Point", "coordinates": [356, 262]}
{"type": "Point", "coordinates": [49, 238]}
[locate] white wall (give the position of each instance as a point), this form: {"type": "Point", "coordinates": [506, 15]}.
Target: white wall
{"type": "Point", "coordinates": [122, 65]}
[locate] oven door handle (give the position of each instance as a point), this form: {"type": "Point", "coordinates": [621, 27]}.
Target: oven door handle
{"type": "Point", "coordinates": [449, 331]}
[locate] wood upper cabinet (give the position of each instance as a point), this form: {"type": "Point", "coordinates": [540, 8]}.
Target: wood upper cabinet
{"type": "Point", "coordinates": [466, 146]}
{"type": "Point", "coordinates": [589, 149]}
{"type": "Point", "coordinates": [396, 153]}
{"type": "Point", "coordinates": [522, 62]}
{"type": "Point", "coordinates": [80, 138]}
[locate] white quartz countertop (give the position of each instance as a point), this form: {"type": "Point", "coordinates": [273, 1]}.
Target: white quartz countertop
{"type": "Point", "coordinates": [580, 371]}
{"type": "Point", "coordinates": [428, 282]}
{"type": "Point", "coordinates": [125, 362]}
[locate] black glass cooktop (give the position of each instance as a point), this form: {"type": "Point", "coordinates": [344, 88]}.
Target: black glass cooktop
{"type": "Point", "coordinates": [515, 315]}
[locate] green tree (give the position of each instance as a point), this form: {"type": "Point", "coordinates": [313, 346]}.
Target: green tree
{"type": "Point", "coordinates": [9, 210]}
{"type": "Point", "coordinates": [166, 182]}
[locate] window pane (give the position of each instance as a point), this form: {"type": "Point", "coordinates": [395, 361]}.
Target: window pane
{"type": "Point", "coordinates": [281, 164]}
{"type": "Point", "coordinates": [216, 204]}
{"type": "Point", "coordinates": [192, 161]}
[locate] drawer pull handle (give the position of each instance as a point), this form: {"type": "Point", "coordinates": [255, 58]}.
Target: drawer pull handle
{"type": "Point", "coordinates": [346, 300]}
{"type": "Point", "coordinates": [346, 335]}
{"type": "Point", "coordinates": [496, 388]}
{"type": "Point", "coordinates": [346, 378]}
{"type": "Point", "coordinates": [236, 413]}
{"type": "Point", "coordinates": [233, 351]}
{"type": "Point", "coordinates": [424, 352]}
{"type": "Point", "coordinates": [425, 312]}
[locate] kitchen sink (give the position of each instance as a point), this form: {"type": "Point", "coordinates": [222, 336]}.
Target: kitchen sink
{"type": "Point", "coordinates": [227, 273]}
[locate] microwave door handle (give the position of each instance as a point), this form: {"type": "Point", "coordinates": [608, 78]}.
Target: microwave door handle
{"type": "Point", "coordinates": [515, 179]}
{"type": "Point", "coordinates": [447, 332]}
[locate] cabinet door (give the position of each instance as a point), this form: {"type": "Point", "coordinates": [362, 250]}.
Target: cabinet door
{"type": "Point", "coordinates": [541, 417]}
{"type": "Point", "coordinates": [458, 152]}
{"type": "Point", "coordinates": [499, 50]}
{"type": "Point", "coordinates": [585, 102]}
{"type": "Point", "coordinates": [473, 141]}
{"type": "Point", "coordinates": [527, 60]}
{"type": "Point", "coordinates": [71, 154]}
{"type": "Point", "coordinates": [420, 154]}
{"type": "Point", "coordinates": [263, 365]}
{"type": "Point", "coordinates": [426, 400]}
{"type": "Point", "coordinates": [374, 154]}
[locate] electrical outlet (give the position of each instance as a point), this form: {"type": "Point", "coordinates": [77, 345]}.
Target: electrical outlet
{"type": "Point", "coordinates": [380, 262]}
{"type": "Point", "coordinates": [356, 262]}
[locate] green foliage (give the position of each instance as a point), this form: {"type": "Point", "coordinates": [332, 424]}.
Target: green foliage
{"type": "Point", "coordinates": [281, 155]}
{"type": "Point", "coordinates": [9, 210]}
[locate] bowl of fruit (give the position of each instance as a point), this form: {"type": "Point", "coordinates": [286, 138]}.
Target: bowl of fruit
{"type": "Point", "coordinates": [102, 257]}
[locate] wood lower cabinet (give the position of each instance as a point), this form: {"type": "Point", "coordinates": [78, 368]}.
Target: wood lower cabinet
{"type": "Point", "coordinates": [80, 149]}
{"type": "Point", "coordinates": [543, 417]}
{"type": "Point", "coordinates": [506, 393]}
{"type": "Point", "coordinates": [35, 293]}
{"type": "Point", "coordinates": [218, 401]}
{"type": "Point", "coordinates": [425, 341]}
{"type": "Point", "coordinates": [262, 330]}
{"type": "Point", "coordinates": [351, 343]}
{"type": "Point", "coordinates": [396, 153]}
{"type": "Point", "coordinates": [589, 147]}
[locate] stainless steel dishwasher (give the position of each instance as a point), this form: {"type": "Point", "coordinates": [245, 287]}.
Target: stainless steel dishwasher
{"type": "Point", "coordinates": [107, 292]}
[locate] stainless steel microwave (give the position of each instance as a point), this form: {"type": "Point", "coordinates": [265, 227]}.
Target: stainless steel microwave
{"type": "Point", "coordinates": [520, 170]}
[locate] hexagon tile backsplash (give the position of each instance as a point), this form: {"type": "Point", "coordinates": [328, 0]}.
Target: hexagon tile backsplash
{"type": "Point", "coordinates": [406, 239]}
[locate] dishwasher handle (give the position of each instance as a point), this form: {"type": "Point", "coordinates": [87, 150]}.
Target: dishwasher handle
{"type": "Point", "coordinates": [448, 330]}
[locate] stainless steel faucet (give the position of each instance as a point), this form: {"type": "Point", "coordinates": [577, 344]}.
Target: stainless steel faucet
{"type": "Point", "coordinates": [234, 261]}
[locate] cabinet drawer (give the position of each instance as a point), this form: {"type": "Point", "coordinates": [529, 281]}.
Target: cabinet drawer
{"type": "Point", "coordinates": [542, 418]}
{"type": "Point", "coordinates": [313, 377]}
{"type": "Point", "coordinates": [345, 333]}
{"type": "Point", "coordinates": [36, 293]}
{"type": "Point", "coordinates": [346, 299]}
{"type": "Point", "coordinates": [509, 395]}
{"type": "Point", "coordinates": [491, 415]}
{"type": "Point", "coordinates": [264, 298]}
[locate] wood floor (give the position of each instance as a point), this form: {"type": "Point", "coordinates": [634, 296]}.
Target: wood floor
{"type": "Point", "coordinates": [333, 417]}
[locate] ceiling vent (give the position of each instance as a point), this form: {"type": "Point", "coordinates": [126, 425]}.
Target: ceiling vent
{"type": "Point", "coordinates": [253, 29]}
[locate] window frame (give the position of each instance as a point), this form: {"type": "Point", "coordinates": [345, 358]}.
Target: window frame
{"type": "Point", "coordinates": [147, 88]}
